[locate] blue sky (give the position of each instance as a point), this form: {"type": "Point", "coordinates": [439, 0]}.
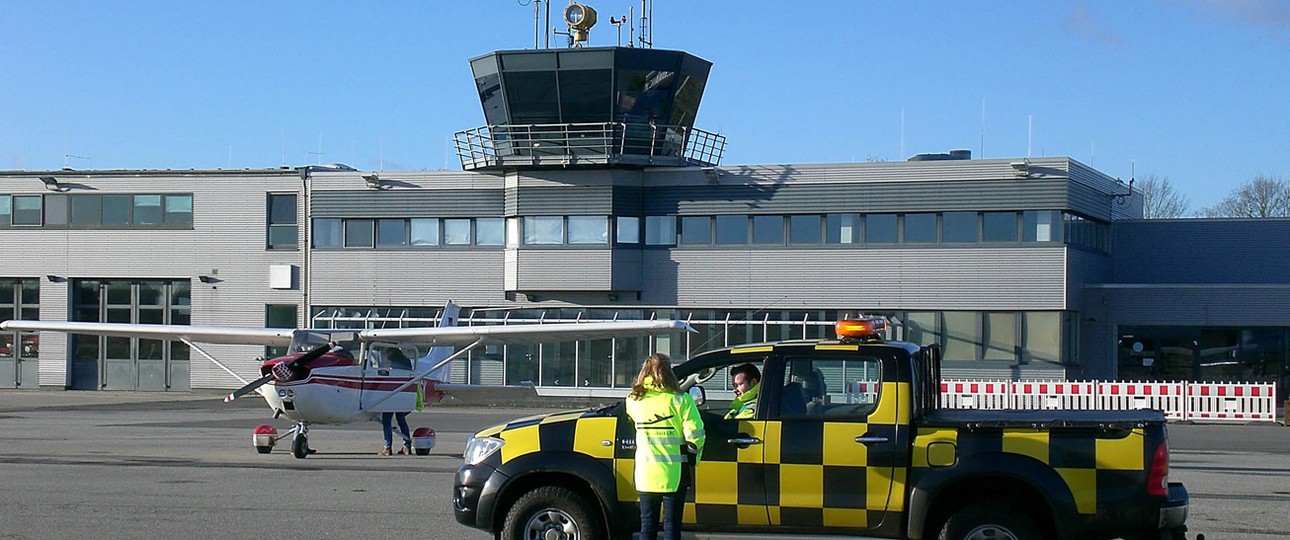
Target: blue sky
{"type": "Point", "coordinates": [1193, 90]}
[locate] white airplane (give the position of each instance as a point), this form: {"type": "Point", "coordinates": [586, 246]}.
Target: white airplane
{"type": "Point", "coordinates": [321, 382]}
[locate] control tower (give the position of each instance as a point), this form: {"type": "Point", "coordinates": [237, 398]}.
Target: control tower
{"type": "Point", "coordinates": [592, 107]}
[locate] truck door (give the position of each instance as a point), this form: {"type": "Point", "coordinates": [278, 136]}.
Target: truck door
{"type": "Point", "coordinates": [829, 441]}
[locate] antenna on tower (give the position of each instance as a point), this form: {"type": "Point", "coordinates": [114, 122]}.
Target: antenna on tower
{"type": "Point", "coordinates": [647, 30]}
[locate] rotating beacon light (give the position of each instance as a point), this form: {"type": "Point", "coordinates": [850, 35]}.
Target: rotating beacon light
{"type": "Point", "coordinates": [580, 18]}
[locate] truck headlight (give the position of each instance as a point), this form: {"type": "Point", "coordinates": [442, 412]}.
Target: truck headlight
{"type": "Point", "coordinates": [479, 448]}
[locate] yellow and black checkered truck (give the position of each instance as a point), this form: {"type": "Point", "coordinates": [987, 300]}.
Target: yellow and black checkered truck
{"type": "Point", "coordinates": [848, 439]}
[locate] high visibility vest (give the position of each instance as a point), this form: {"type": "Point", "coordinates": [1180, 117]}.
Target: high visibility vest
{"type": "Point", "coordinates": [664, 423]}
{"type": "Point", "coordinates": [745, 406]}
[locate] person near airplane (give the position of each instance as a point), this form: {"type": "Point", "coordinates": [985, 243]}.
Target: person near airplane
{"type": "Point", "coordinates": [396, 360]}
{"type": "Point", "coordinates": [669, 443]}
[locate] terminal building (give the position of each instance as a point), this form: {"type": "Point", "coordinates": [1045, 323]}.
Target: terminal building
{"type": "Point", "coordinates": [591, 195]}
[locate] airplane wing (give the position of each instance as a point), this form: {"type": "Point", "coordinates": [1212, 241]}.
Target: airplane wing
{"type": "Point", "coordinates": [479, 393]}
{"type": "Point", "coordinates": [269, 337]}
{"type": "Point", "coordinates": [520, 334]}
{"type": "Point", "coordinates": [515, 334]}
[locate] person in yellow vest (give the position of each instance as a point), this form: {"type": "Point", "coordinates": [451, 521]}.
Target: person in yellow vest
{"type": "Point", "coordinates": [669, 442]}
{"type": "Point", "coordinates": [746, 380]}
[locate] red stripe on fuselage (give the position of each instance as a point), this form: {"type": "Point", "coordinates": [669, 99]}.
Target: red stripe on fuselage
{"type": "Point", "coordinates": [380, 385]}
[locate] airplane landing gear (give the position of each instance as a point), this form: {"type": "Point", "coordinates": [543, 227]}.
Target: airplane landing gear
{"type": "Point", "coordinates": [300, 442]}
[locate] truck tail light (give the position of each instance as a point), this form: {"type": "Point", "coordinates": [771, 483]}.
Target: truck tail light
{"type": "Point", "coordinates": [1158, 476]}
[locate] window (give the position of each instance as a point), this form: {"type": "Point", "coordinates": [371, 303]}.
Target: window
{"type": "Point", "coordinates": [845, 228]}
{"type": "Point", "coordinates": [731, 230]}
{"type": "Point", "coordinates": [391, 233]}
{"type": "Point", "coordinates": [179, 210]}
{"type": "Point", "coordinates": [87, 210]}
{"type": "Point", "coordinates": [769, 230]}
{"type": "Point", "coordinates": [804, 229]}
{"type": "Point", "coordinates": [999, 226]}
{"type": "Point", "coordinates": [696, 230]}
{"type": "Point", "coordinates": [326, 233]}
{"type": "Point", "coordinates": [425, 232]}
{"type": "Point", "coordinates": [543, 230]}
{"type": "Point", "coordinates": [116, 209]}
{"type": "Point", "coordinates": [6, 210]}
{"type": "Point", "coordinates": [358, 233]}
{"type": "Point", "coordinates": [490, 231]}
{"type": "Point", "coordinates": [880, 228]}
{"type": "Point", "coordinates": [56, 209]}
{"type": "Point", "coordinates": [830, 386]}
{"type": "Point", "coordinates": [660, 230]}
{"type": "Point", "coordinates": [958, 227]}
{"type": "Point", "coordinates": [26, 209]}
{"type": "Point", "coordinates": [629, 230]}
{"type": "Point", "coordinates": [456, 232]}
{"type": "Point", "coordinates": [588, 230]}
{"type": "Point", "coordinates": [279, 316]}
{"type": "Point", "coordinates": [147, 211]}
{"type": "Point", "coordinates": [920, 228]}
{"type": "Point", "coordinates": [1000, 337]}
{"type": "Point", "coordinates": [282, 221]}
{"type": "Point", "coordinates": [1041, 226]}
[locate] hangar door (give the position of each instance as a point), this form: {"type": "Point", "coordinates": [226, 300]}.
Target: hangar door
{"type": "Point", "coordinates": [116, 363]}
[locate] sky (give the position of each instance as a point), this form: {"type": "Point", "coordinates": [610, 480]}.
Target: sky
{"type": "Point", "coordinates": [1195, 91]}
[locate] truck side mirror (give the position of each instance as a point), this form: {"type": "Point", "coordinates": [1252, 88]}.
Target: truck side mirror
{"type": "Point", "coordinates": [698, 394]}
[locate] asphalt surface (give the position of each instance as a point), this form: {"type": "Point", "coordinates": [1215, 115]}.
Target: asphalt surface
{"type": "Point", "coordinates": [113, 465]}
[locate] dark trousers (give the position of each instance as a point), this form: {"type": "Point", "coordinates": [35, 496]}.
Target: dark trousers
{"type": "Point", "coordinates": [673, 505]}
{"type": "Point", "coordinates": [388, 430]}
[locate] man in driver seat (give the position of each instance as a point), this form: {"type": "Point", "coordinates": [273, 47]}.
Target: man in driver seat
{"type": "Point", "coordinates": [746, 380]}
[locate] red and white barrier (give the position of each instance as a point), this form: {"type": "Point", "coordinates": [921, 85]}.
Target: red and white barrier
{"type": "Point", "coordinates": [1131, 395]}
{"type": "Point", "coordinates": [992, 395]}
{"type": "Point", "coordinates": [1180, 401]}
{"type": "Point", "coordinates": [1231, 402]}
{"type": "Point", "coordinates": [1054, 395]}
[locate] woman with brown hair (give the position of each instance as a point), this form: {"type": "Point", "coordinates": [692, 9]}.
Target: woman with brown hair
{"type": "Point", "coordinates": [669, 442]}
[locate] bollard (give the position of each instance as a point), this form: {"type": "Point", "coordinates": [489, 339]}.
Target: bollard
{"type": "Point", "coordinates": [1285, 409]}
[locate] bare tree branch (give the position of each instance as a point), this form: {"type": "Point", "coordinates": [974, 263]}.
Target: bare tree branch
{"type": "Point", "coordinates": [1262, 197]}
{"type": "Point", "coordinates": [1160, 200]}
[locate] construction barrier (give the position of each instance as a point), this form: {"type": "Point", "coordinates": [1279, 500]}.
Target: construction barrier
{"type": "Point", "coordinates": [969, 394]}
{"type": "Point", "coordinates": [1231, 402]}
{"type": "Point", "coordinates": [1179, 401]}
{"type": "Point", "coordinates": [1169, 397]}
{"type": "Point", "coordinates": [1050, 395]}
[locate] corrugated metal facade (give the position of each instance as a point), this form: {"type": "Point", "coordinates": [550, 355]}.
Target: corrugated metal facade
{"type": "Point", "coordinates": [228, 238]}
{"type": "Point", "coordinates": [1202, 251]}
{"type": "Point", "coordinates": [1024, 278]}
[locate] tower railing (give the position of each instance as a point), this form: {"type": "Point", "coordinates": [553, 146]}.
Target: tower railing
{"type": "Point", "coordinates": [607, 143]}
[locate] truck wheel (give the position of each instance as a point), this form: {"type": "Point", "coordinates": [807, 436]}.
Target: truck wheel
{"type": "Point", "coordinates": [551, 513]}
{"type": "Point", "coordinates": [989, 521]}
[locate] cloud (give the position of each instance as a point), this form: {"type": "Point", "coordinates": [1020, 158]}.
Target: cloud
{"type": "Point", "coordinates": [1086, 25]}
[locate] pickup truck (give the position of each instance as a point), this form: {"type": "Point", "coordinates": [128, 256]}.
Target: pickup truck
{"type": "Point", "coordinates": [848, 439]}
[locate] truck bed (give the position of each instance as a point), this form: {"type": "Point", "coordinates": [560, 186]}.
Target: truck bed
{"type": "Point", "coordinates": [1046, 419]}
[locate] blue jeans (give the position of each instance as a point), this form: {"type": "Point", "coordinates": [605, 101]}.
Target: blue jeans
{"type": "Point", "coordinates": [388, 430]}
{"type": "Point", "coordinates": [673, 507]}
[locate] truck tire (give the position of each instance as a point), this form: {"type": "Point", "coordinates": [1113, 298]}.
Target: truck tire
{"type": "Point", "coordinates": [553, 512]}
{"type": "Point", "coordinates": [989, 521]}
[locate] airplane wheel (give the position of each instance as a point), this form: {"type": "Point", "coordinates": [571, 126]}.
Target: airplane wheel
{"type": "Point", "coordinates": [300, 446]}
{"type": "Point", "coordinates": [264, 449]}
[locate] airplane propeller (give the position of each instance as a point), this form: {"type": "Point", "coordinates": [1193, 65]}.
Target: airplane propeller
{"type": "Point", "coordinates": [282, 368]}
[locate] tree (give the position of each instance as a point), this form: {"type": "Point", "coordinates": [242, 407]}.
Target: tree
{"type": "Point", "coordinates": [1262, 197]}
{"type": "Point", "coordinates": [1160, 200]}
